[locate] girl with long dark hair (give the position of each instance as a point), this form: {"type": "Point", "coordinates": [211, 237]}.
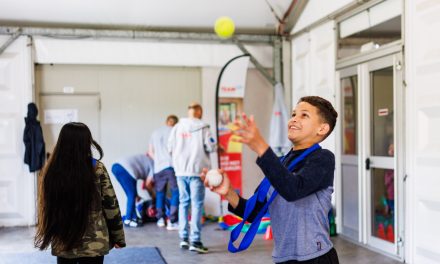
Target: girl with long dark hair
{"type": "Point", "coordinates": [78, 212]}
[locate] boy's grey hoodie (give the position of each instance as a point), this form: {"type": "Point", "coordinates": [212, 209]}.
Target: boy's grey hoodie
{"type": "Point", "coordinates": [190, 143]}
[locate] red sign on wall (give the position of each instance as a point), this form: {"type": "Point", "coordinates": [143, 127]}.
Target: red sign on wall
{"type": "Point", "coordinates": [230, 161]}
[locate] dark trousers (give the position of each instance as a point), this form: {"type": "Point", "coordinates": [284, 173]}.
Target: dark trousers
{"type": "Point", "coordinates": [128, 183]}
{"type": "Point", "coordinates": [161, 179]}
{"type": "Point", "coordinates": [94, 260]}
{"type": "Point", "coordinates": [330, 257]}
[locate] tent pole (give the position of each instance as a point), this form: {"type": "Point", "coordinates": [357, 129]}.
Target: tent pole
{"type": "Point", "coordinates": [14, 36]}
{"type": "Point", "coordinates": [257, 65]}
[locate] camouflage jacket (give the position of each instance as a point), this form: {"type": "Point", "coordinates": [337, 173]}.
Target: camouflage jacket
{"type": "Point", "coordinates": [105, 228]}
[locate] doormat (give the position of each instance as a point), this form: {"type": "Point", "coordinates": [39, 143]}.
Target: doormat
{"type": "Point", "coordinates": [138, 255]}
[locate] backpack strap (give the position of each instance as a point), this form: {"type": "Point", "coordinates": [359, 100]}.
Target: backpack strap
{"type": "Point", "coordinates": [261, 196]}
{"type": "Point", "coordinates": [94, 163]}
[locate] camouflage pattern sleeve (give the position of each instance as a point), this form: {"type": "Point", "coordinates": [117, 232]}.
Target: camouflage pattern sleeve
{"type": "Point", "coordinates": [110, 207]}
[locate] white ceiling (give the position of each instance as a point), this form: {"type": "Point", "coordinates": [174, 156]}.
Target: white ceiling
{"type": "Point", "coordinates": [250, 16]}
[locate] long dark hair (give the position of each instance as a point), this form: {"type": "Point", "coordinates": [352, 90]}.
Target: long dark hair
{"type": "Point", "coordinates": [67, 190]}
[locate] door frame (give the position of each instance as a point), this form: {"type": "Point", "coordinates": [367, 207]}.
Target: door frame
{"type": "Point", "coordinates": [382, 162]}
{"type": "Point", "coordinates": [343, 73]}
{"type": "Point", "coordinates": [97, 95]}
{"type": "Point", "coordinates": [393, 57]}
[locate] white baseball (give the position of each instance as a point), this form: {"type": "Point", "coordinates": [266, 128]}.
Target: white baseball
{"type": "Point", "coordinates": [214, 178]}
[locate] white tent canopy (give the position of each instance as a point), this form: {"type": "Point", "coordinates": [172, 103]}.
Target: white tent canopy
{"type": "Point", "coordinates": [190, 15]}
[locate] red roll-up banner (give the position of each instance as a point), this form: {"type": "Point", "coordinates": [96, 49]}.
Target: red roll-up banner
{"type": "Point", "coordinates": [230, 93]}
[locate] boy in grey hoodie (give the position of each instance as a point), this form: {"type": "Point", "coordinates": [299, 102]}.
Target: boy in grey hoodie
{"type": "Point", "coordinates": [190, 143]}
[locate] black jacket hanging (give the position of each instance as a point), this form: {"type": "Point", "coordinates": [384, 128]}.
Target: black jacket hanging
{"type": "Point", "coordinates": [34, 154]}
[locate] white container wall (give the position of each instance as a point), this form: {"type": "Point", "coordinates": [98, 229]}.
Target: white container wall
{"type": "Point", "coordinates": [313, 67]}
{"type": "Point", "coordinates": [423, 123]}
{"type": "Point", "coordinates": [17, 185]}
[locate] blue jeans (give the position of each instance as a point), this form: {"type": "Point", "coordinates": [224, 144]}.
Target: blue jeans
{"type": "Point", "coordinates": [128, 183]}
{"type": "Point", "coordinates": [191, 189]}
{"type": "Point", "coordinates": [161, 179]}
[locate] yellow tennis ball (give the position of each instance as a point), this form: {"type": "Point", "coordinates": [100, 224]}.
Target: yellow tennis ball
{"type": "Point", "coordinates": [224, 27]}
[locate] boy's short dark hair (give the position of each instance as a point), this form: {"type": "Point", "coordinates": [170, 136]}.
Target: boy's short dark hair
{"type": "Point", "coordinates": [325, 110]}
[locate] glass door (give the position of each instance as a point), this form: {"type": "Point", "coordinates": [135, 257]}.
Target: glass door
{"type": "Point", "coordinates": [380, 156]}
{"type": "Point", "coordinates": [349, 154]}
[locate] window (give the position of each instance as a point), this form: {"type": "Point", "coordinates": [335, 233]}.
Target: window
{"type": "Point", "coordinates": [370, 29]}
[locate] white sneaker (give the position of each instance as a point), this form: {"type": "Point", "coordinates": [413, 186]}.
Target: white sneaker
{"type": "Point", "coordinates": [161, 222]}
{"type": "Point", "coordinates": [198, 247]}
{"type": "Point", "coordinates": [184, 244]}
{"type": "Point", "coordinates": [172, 226]}
{"type": "Point", "coordinates": [133, 224]}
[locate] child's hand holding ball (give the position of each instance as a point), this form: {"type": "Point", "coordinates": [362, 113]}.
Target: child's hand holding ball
{"type": "Point", "coordinates": [217, 181]}
{"type": "Point", "coordinates": [214, 178]}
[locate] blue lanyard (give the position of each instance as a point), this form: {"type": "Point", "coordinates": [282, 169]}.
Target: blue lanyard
{"type": "Point", "coordinates": [260, 195]}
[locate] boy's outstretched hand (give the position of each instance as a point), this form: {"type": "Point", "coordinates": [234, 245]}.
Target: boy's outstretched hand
{"type": "Point", "coordinates": [224, 186]}
{"type": "Point", "coordinates": [249, 134]}
{"type": "Point", "coordinates": [224, 189]}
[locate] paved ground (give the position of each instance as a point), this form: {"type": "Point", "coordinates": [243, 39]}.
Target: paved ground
{"type": "Point", "coordinates": [20, 240]}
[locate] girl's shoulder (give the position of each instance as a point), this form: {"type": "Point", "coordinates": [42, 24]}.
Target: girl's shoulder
{"type": "Point", "coordinates": [100, 168]}
{"type": "Point", "coordinates": [102, 178]}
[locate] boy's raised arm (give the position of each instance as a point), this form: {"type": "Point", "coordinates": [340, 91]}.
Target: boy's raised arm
{"type": "Point", "coordinates": [316, 174]}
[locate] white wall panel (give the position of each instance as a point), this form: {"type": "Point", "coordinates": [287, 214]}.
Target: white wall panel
{"type": "Point", "coordinates": [323, 61]}
{"type": "Point", "coordinates": [123, 52]}
{"type": "Point", "coordinates": [10, 63]}
{"type": "Point", "coordinates": [8, 135]}
{"type": "Point", "coordinates": [17, 185]}
{"type": "Point", "coordinates": [318, 9]}
{"type": "Point", "coordinates": [354, 24]}
{"type": "Point", "coordinates": [429, 122]}
{"type": "Point", "coordinates": [385, 11]}
{"type": "Point", "coordinates": [423, 123]}
{"type": "Point", "coordinates": [313, 67]}
{"type": "Point", "coordinates": [300, 67]}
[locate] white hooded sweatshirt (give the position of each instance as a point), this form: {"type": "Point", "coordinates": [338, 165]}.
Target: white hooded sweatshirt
{"type": "Point", "coordinates": [190, 143]}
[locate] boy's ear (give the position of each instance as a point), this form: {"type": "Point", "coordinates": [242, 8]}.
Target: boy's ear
{"type": "Point", "coordinates": [324, 128]}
